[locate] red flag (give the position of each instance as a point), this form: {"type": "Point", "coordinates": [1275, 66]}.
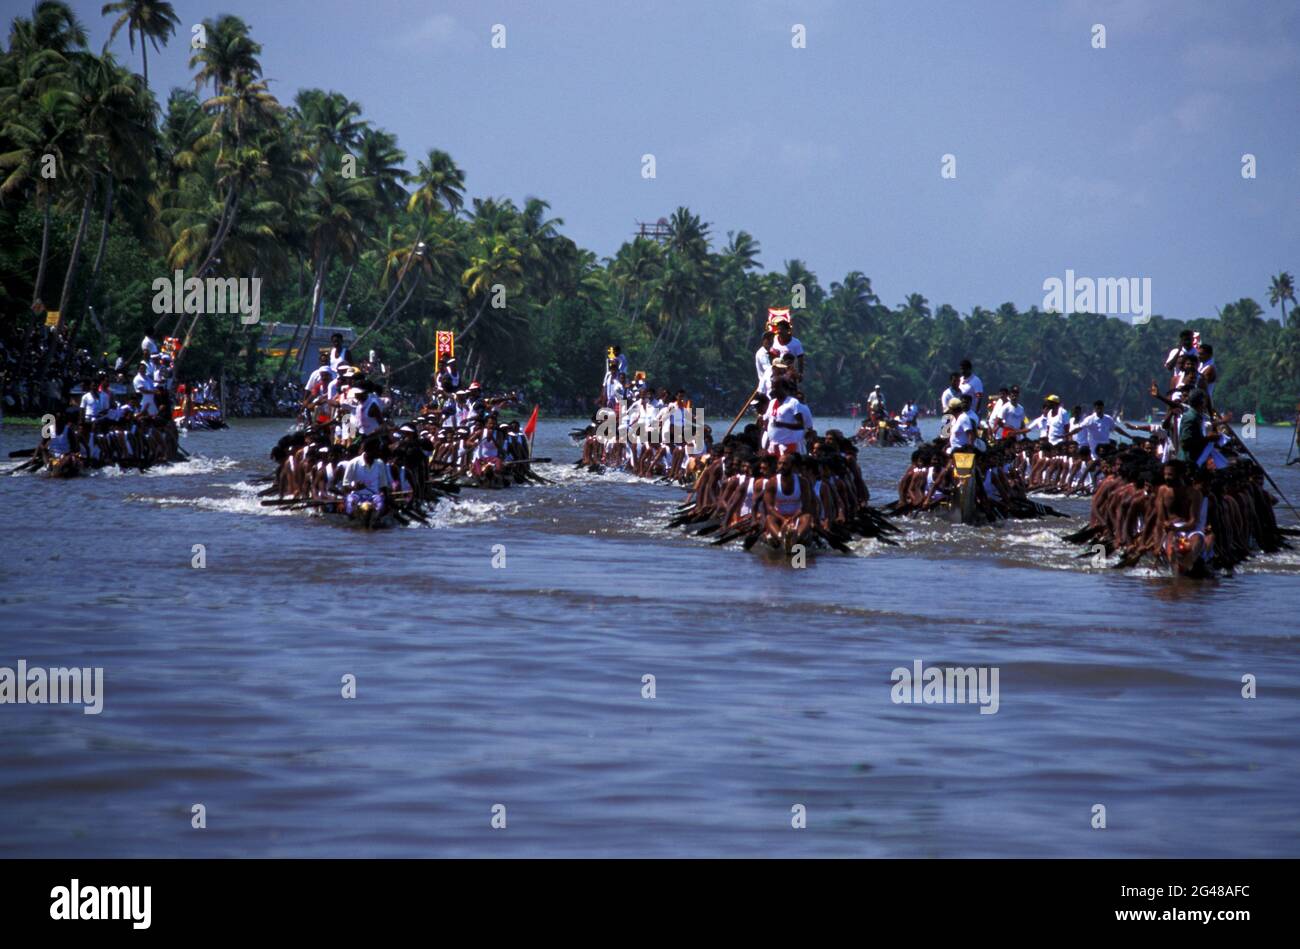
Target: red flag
{"type": "Point", "coordinates": [532, 422]}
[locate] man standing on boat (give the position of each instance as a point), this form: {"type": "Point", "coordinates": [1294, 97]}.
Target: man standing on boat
{"type": "Point", "coordinates": [787, 344]}
{"type": "Point", "coordinates": [449, 376]}
{"type": "Point", "coordinates": [143, 386]}
{"type": "Point", "coordinates": [1054, 422]}
{"type": "Point", "coordinates": [763, 363]}
{"type": "Point", "coordinates": [952, 392]}
{"type": "Point", "coordinates": [1008, 416]}
{"type": "Point", "coordinates": [971, 385]}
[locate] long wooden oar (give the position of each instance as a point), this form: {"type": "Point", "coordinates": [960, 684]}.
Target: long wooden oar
{"type": "Point", "coordinates": [743, 409]}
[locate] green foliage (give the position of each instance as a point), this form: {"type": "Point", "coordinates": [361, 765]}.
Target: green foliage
{"type": "Point", "coordinates": [315, 201]}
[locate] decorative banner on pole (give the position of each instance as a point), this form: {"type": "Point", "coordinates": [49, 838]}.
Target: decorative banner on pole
{"type": "Point", "coordinates": [444, 347]}
{"type": "Point", "coordinates": [52, 318]}
{"type": "Point", "coordinates": [776, 314]}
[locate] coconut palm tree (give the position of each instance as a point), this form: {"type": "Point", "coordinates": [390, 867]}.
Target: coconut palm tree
{"type": "Point", "coordinates": [494, 261]}
{"type": "Point", "coordinates": [152, 20]}
{"type": "Point", "coordinates": [118, 117]}
{"type": "Point", "coordinates": [49, 128]}
{"type": "Point", "coordinates": [228, 52]}
{"type": "Point", "coordinates": [1281, 290]}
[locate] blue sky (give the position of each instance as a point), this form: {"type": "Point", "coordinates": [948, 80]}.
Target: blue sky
{"type": "Point", "coordinates": [1123, 161]}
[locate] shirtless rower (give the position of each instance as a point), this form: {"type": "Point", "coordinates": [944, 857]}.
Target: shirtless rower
{"type": "Point", "coordinates": [788, 502]}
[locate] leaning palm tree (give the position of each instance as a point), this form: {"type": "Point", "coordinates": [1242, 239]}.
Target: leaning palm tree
{"type": "Point", "coordinates": [1281, 290]}
{"type": "Point", "coordinates": [153, 20]}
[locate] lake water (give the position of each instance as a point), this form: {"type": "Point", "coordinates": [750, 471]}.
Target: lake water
{"type": "Point", "coordinates": [522, 685]}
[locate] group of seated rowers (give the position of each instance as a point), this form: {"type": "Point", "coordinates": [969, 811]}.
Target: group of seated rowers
{"type": "Point", "coordinates": [334, 461]}
{"type": "Point", "coordinates": [652, 436]}
{"type": "Point", "coordinates": [748, 487]}
{"type": "Point", "coordinates": [1191, 517]}
{"type": "Point", "coordinates": [103, 429]}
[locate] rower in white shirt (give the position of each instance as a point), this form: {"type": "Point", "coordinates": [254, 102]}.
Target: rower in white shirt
{"type": "Point", "coordinates": [367, 478]}
{"type": "Point", "coordinates": [1008, 416]}
{"type": "Point", "coordinates": [1095, 427]}
{"type": "Point", "coordinates": [1054, 422]}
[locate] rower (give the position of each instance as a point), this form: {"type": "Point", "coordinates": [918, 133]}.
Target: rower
{"type": "Point", "coordinates": [367, 478]}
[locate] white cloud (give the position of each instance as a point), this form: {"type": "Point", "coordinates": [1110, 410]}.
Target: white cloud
{"type": "Point", "coordinates": [438, 29]}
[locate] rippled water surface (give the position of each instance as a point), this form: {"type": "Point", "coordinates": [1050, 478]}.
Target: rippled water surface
{"type": "Point", "coordinates": [522, 686]}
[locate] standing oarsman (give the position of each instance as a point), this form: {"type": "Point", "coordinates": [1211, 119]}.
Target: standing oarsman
{"type": "Point", "coordinates": [1054, 422]}
{"type": "Point", "coordinates": [970, 385]}
{"type": "Point", "coordinates": [788, 420]}
{"type": "Point", "coordinates": [1009, 416]}
{"type": "Point", "coordinates": [1095, 428]}
{"type": "Point", "coordinates": [143, 386]}
{"type": "Point", "coordinates": [876, 403]}
{"type": "Point", "coordinates": [340, 355]}
{"type": "Point", "coordinates": [907, 419]}
{"type": "Point", "coordinates": [961, 432]}
{"type": "Point", "coordinates": [952, 392]}
{"type": "Point", "coordinates": [763, 363]}
{"type": "Point", "coordinates": [1207, 371]}
{"type": "Point", "coordinates": [787, 344]}
{"type": "Point", "coordinates": [1184, 348]}
{"type": "Point", "coordinates": [449, 376]}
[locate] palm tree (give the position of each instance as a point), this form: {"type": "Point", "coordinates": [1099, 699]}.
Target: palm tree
{"type": "Point", "coordinates": [441, 184]}
{"type": "Point", "coordinates": [229, 51]}
{"type": "Point", "coordinates": [152, 20]}
{"type": "Point", "coordinates": [493, 261]}
{"type": "Point", "coordinates": [118, 119]}
{"type": "Point", "coordinates": [1281, 290]}
{"type": "Point", "coordinates": [53, 28]}
{"type": "Point", "coordinates": [50, 128]}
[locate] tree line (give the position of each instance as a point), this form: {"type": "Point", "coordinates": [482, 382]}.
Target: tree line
{"type": "Point", "coordinates": [310, 196]}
